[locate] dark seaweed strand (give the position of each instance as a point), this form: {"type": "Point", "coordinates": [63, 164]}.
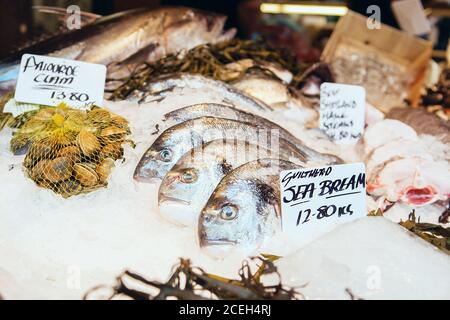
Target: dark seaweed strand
{"type": "Point", "coordinates": [207, 60]}
{"type": "Point", "coordinates": [188, 282]}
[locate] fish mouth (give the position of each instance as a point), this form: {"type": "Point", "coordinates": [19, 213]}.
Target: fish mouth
{"type": "Point", "coordinates": [419, 196]}
{"type": "Point", "coordinates": [163, 198]}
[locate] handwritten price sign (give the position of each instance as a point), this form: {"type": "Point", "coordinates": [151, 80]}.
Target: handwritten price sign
{"type": "Point", "coordinates": [49, 81]}
{"type": "Point", "coordinates": [342, 109]}
{"type": "Point", "coordinates": [315, 200]}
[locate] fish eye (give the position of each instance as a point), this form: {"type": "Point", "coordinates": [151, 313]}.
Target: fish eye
{"type": "Point", "coordinates": [189, 176]}
{"type": "Point", "coordinates": [165, 155]}
{"type": "Point", "coordinates": [228, 212]}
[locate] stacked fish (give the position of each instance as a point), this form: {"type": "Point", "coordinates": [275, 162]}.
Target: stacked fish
{"type": "Point", "coordinates": [219, 168]}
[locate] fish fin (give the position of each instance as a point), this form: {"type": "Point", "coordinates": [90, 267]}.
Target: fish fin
{"type": "Point", "coordinates": [227, 35]}
{"type": "Point", "coordinates": [140, 55]}
{"type": "Point", "coordinates": [225, 167]}
{"type": "Point", "coordinates": [277, 208]}
{"type": "Point", "coordinates": [61, 13]}
{"type": "Point", "coordinates": [267, 193]}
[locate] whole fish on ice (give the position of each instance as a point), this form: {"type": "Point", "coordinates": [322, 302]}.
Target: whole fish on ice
{"type": "Point", "coordinates": [268, 89]}
{"type": "Point", "coordinates": [231, 95]}
{"type": "Point", "coordinates": [175, 141]}
{"type": "Point", "coordinates": [244, 210]}
{"type": "Point", "coordinates": [187, 186]}
{"type": "Point", "coordinates": [227, 112]}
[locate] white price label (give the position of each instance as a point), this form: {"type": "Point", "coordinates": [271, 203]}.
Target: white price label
{"type": "Point", "coordinates": [316, 200]}
{"type": "Point", "coordinates": [342, 109]}
{"type": "Point", "coordinates": [411, 16]}
{"type": "Point", "coordinates": [50, 81]}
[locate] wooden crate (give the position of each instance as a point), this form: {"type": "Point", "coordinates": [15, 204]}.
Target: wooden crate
{"type": "Point", "coordinates": [389, 45]}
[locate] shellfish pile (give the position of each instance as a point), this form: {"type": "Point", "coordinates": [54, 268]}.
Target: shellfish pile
{"type": "Point", "coordinates": [71, 151]}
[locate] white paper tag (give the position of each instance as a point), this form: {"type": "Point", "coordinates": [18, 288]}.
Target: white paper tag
{"type": "Point", "coordinates": [316, 200]}
{"type": "Point", "coordinates": [342, 109]}
{"type": "Point", "coordinates": [411, 16]}
{"type": "Point", "coordinates": [49, 81]}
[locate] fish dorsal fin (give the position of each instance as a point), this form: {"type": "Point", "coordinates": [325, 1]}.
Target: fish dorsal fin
{"type": "Point", "coordinates": [224, 166]}
{"type": "Point", "coordinates": [268, 193]}
{"type": "Point", "coordinates": [140, 55]}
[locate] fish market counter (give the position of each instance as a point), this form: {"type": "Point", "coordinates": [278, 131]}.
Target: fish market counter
{"type": "Point", "coordinates": [55, 247]}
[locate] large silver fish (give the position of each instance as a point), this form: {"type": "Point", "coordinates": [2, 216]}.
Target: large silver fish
{"type": "Point", "coordinates": [244, 209]}
{"type": "Point", "coordinates": [227, 112]}
{"type": "Point", "coordinates": [230, 94]}
{"type": "Point", "coordinates": [127, 37]}
{"type": "Point", "coordinates": [187, 186]}
{"type": "Point", "coordinates": [175, 141]}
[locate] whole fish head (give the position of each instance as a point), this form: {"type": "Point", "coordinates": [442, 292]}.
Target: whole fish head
{"type": "Point", "coordinates": [187, 186]}
{"type": "Point", "coordinates": [164, 153]}
{"type": "Point", "coordinates": [182, 194]}
{"type": "Point", "coordinates": [238, 216]}
{"type": "Point", "coordinates": [196, 25]}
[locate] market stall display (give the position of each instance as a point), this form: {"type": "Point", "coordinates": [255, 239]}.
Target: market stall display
{"type": "Point", "coordinates": [198, 132]}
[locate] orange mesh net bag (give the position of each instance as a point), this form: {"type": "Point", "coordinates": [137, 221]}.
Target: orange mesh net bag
{"type": "Point", "coordinates": [71, 151]}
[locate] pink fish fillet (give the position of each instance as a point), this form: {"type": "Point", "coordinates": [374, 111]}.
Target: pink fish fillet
{"type": "Point", "coordinates": [414, 181]}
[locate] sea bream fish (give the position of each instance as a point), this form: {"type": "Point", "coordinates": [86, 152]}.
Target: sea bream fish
{"type": "Point", "coordinates": [187, 186]}
{"type": "Point", "coordinates": [168, 83]}
{"type": "Point", "coordinates": [244, 210]}
{"type": "Point", "coordinates": [126, 38]}
{"type": "Point", "coordinates": [175, 141]}
{"type": "Point", "coordinates": [227, 112]}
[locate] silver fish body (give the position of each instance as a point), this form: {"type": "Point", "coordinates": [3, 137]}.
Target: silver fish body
{"type": "Point", "coordinates": [175, 141]}
{"type": "Point", "coordinates": [187, 186]}
{"type": "Point", "coordinates": [227, 112]}
{"type": "Point", "coordinates": [127, 38]}
{"type": "Point", "coordinates": [195, 81]}
{"type": "Point", "coordinates": [244, 210]}
{"type": "Point", "coordinates": [265, 88]}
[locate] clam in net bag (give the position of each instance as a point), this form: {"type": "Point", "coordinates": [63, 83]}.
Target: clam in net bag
{"type": "Point", "coordinates": [71, 151]}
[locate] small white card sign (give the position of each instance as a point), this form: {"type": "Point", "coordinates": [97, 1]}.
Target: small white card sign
{"type": "Point", "coordinates": [49, 81]}
{"type": "Point", "coordinates": [316, 200]}
{"type": "Point", "coordinates": [342, 109]}
{"type": "Point", "coordinates": [411, 16]}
